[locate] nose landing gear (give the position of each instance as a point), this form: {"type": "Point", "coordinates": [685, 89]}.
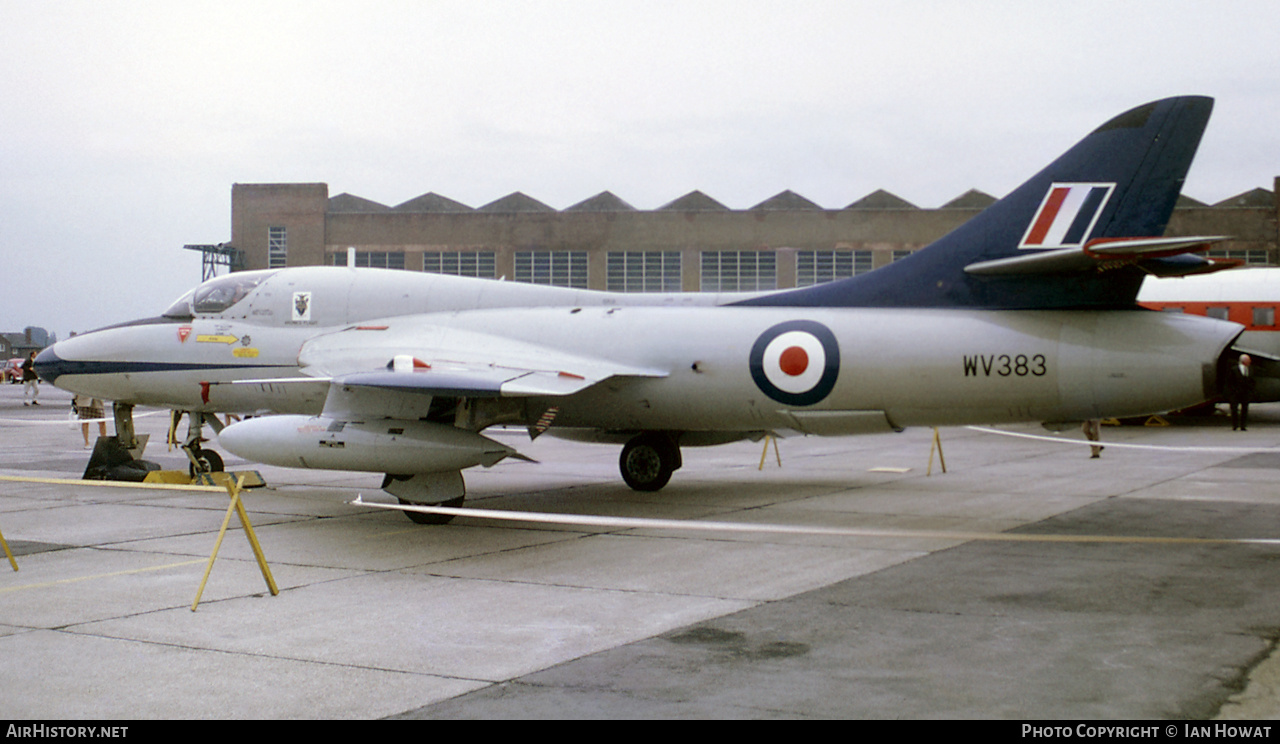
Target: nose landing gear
{"type": "Point", "coordinates": [201, 460]}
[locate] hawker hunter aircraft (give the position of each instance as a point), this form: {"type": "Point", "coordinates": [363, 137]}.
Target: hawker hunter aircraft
{"type": "Point", "coordinates": [1025, 313]}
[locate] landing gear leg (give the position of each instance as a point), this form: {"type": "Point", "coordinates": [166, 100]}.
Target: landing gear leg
{"type": "Point", "coordinates": [648, 461]}
{"type": "Point", "coordinates": [125, 435]}
{"type": "Point", "coordinates": [202, 460]}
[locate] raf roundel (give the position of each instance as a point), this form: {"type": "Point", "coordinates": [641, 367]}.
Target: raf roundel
{"type": "Point", "coordinates": [796, 362]}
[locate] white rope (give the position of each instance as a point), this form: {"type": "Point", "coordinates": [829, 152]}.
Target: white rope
{"type": "Point", "coordinates": [784, 529]}
{"type": "Point", "coordinates": [38, 422]}
{"type": "Point", "coordinates": [1088, 443]}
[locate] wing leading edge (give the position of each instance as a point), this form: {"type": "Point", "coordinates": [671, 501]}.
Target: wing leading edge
{"type": "Point", "coordinates": [393, 368]}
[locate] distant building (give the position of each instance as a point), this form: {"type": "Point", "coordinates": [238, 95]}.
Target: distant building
{"type": "Point", "coordinates": [32, 338]}
{"type": "Point", "coordinates": [692, 243]}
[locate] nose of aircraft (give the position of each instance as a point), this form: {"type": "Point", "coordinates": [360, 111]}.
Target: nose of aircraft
{"type": "Point", "coordinates": [48, 366]}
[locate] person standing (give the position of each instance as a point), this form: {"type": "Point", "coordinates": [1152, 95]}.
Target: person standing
{"type": "Point", "coordinates": [1093, 432]}
{"type": "Point", "coordinates": [87, 409]}
{"type": "Point", "coordinates": [1239, 391]}
{"type": "Point", "coordinates": [30, 381]}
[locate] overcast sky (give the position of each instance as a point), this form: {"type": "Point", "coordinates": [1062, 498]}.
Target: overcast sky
{"type": "Point", "coordinates": [123, 125]}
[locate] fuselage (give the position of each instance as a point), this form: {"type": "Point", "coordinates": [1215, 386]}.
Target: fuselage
{"type": "Point", "coordinates": [1248, 296]}
{"type": "Point", "coordinates": [718, 368]}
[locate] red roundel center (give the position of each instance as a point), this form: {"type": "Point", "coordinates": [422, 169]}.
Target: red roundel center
{"type": "Point", "coordinates": [794, 361]}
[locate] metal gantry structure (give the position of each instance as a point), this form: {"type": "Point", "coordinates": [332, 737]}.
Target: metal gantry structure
{"type": "Point", "coordinates": [213, 256]}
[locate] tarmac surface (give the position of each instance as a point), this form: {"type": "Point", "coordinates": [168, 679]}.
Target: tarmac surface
{"type": "Point", "coordinates": [378, 617]}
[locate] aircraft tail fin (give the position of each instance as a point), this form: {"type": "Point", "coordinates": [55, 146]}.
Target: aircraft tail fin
{"type": "Point", "coordinates": [1080, 233]}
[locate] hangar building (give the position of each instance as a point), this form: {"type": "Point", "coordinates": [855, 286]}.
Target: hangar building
{"type": "Point", "coordinates": [694, 243]}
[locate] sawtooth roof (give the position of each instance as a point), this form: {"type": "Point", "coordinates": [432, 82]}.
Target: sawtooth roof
{"type": "Point", "coordinates": [1254, 198]}
{"type": "Point", "coordinates": [786, 201]}
{"type": "Point", "coordinates": [881, 199]}
{"type": "Point", "coordinates": [516, 202]}
{"type": "Point", "coordinates": [433, 202]}
{"type": "Point", "coordinates": [971, 199]}
{"type": "Point", "coordinates": [604, 201]}
{"type": "Point", "coordinates": [348, 203]}
{"type": "Point", "coordinates": [694, 201]}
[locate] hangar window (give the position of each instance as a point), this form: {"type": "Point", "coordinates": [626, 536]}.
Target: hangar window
{"type": "Point", "coordinates": [1251, 257]}
{"type": "Point", "coordinates": [1264, 316]}
{"type": "Point", "coordinates": [482, 264]}
{"type": "Point", "coordinates": [277, 247]}
{"type": "Point", "coordinates": [373, 259]}
{"type": "Point", "coordinates": [643, 271]}
{"type": "Point", "coordinates": [816, 267]}
{"type": "Point", "coordinates": [1217, 313]}
{"type": "Point", "coordinates": [1172, 309]}
{"type": "Point", "coordinates": [555, 268]}
{"type": "Point", "coordinates": [738, 271]}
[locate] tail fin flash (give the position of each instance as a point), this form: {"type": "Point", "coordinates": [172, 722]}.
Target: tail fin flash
{"type": "Point", "coordinates": [1072, 236]}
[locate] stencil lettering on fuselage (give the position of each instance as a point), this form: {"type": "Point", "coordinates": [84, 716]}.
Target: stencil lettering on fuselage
{"type": "Point", "coordinates": [796, 362]}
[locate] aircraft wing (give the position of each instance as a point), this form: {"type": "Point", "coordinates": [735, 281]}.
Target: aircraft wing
{"type": "Point", "coordinates": [412, 355]}
{"type": "Point", "coordinates": [1152, 253]}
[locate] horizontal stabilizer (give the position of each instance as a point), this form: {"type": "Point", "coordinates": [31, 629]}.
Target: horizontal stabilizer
{"type": "Point", "coordinates": [1135, 248]}
{"type": "Point", "coordinates": [1104, 251]}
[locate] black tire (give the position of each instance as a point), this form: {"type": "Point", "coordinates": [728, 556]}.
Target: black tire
{"type": "Point", "coordinates": [210, 462]}
{"type": "Point", "coordinates": [648, 461]}
{"type": "Point", "coordinates": [420, 518]}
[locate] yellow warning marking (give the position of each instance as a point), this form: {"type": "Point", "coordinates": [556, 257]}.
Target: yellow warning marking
{"type": "Point", "coordinates": [211, 339]}
{"type": "Point", "coordinates": [243, 352]}
{"type": "Point", "coordinates": [47, 584]}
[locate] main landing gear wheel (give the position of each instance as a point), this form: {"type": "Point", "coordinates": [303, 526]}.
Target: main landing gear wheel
{"type": "Point", "coordinates": [648, 461]}
{"type": "Point", "coordinates": [421, 518]}
{"type": "Point", "coordinates": [206, 461]}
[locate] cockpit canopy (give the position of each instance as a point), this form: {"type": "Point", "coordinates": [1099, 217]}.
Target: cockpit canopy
{"type": "Point", "coordinates": [216, 295]}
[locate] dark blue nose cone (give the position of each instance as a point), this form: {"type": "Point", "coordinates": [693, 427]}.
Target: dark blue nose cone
{"type": "Point", "coordinates": [48, 365]}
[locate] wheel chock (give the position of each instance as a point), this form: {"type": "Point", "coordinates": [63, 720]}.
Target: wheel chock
{"type": "Point", "coordinates": [171, 477]}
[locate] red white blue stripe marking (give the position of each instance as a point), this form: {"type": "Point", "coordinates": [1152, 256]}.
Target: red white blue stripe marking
{"type": "Point", "coordinates": [1067, 215]}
